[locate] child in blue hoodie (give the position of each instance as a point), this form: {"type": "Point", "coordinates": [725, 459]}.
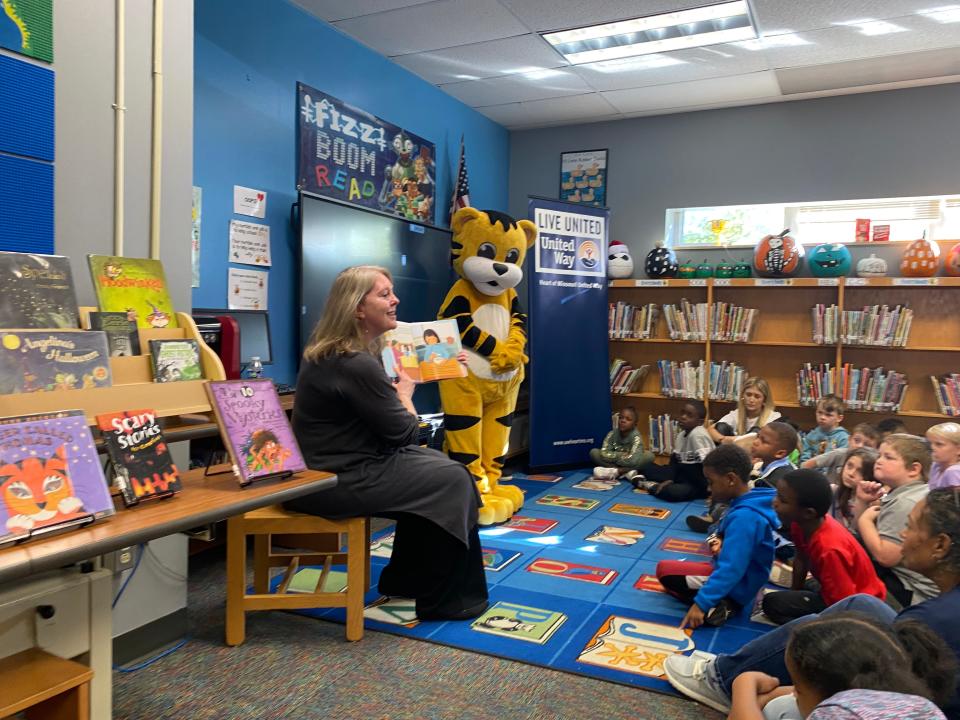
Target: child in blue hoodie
{"type": "Point", "coordinates": [742, 547]}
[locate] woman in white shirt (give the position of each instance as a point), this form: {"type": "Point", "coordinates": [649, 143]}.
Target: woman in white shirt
{"type": "Point", "coordinates": [755, 409]}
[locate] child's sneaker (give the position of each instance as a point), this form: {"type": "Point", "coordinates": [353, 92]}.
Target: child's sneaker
{"type": "Point", "coordinates": [606, 473]}
{"type": "Point", "coordinates": [721, 613]}
{"type": "Point", "coordinates": [641, 483]}
{"type": "Point", "coordinates": [699, 523]}
{"type": "Point", "coordinates": [629, 475]}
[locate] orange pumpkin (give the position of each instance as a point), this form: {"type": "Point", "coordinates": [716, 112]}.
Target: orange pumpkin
{"type": "Point", "coordinates": [951, 263]}
{"type": "Point", "coordinates": [777, 256]}
{"type": "Point", "coordinates": [920, 259]}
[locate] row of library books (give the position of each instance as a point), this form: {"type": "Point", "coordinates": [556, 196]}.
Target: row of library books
{"type": "Point", "coordinates": [632, 322]}
{"type": "Point", "coordinates": [946, 388]}
{"type": "Point", "coordinates": [686, 379]}
{"type": "Point", "coordinates": [624, 378]}
{"type": "Point", "coordinates": [732, 323]}
{"type": "Point", "coordinates": [874, 325]}
{"type": "Point", "coordinates": [39, 291]}
{"type": "Point", "coordinates": [876, 389]}
{"type": "Point", "coordinates": [51, 477]}
{"type": "Point", "coordinates": [663, 432]}
{"type": "Point", "coordinates": [48, 360]}
{"type": "Point", "coordinates": [686, 320]}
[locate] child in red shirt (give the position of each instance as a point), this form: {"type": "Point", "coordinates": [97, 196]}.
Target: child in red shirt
{"type": "Point", "coordinates": [824, 547]}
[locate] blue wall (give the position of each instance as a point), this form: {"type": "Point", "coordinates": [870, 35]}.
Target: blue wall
{"type": "Point", "coordinates": [247, 63]}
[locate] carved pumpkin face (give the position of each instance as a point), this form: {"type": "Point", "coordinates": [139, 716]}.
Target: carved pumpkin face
{"type": "Point", "coordinates": [951, 263]}
{"type": "Point", "coordinates": [872, 266]}
{"type": "Point", "coordinates": [688, 270]}
{"type": "Point", "coordinates": [660, 263]}
{"type": "Point", "coordinates": [830, 260]}
{"type": "Point", "coordinates": [704, 270]}
{"type": "Point", "coordinates": [777, 256]}
{"type": "Point", "coordinates": [723, 270]}
{"type": "Point", "coordinates": [619, 260]}
{"type": "Point", "coordinates": [920, 259]}
{"type": "Point", "coordinates": [742, 270]}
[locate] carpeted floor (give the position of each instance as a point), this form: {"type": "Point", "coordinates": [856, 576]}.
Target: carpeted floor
{"type": "Point", "coordinates": [298, 667]}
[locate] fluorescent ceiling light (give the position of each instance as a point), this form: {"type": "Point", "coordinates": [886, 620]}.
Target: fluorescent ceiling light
{"type": "Point", "coordinates": [644, 62]}
{"type": "Point", "coordinates": [722, 23]}
{"type": "Point", "coordinates": [945, 14]}
{"type": "Point", "coordinates": [776, 38]}
{"type": "Point", "coordinates": [541, 74]}
{"type": "Point", "coordinates": [869, 26]}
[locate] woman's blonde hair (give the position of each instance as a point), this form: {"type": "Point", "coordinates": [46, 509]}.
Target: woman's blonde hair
{"type": "Point", "coordinates": [911, 449]}
{"type": "Point", "coordinates": [949, 431]}
{"type": "Point", "coordinates": [338, 330]}
{"type": "Point", "coordinates": [766, 412]}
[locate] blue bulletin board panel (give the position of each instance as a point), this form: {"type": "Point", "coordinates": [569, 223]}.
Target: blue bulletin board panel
{"type": "Point", "coordinates": [26, 223]}
{"type": "Point", "coordinates": [26, 109]}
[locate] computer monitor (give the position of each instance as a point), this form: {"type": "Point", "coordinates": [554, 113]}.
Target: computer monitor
{"type": "Point", "coordinates": [254, 332]}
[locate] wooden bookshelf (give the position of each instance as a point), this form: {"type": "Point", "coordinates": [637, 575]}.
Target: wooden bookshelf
{"type": "Point", "coordinates": [782, 339]}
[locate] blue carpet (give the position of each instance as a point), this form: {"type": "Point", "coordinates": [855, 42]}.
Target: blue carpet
{"type": "Point", "coordinates": [572, 585]}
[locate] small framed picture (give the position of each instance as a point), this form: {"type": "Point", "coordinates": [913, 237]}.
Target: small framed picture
{"type": "Point", "coordinates": [583, 177]}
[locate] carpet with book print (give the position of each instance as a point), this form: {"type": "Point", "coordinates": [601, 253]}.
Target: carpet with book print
{"type": "Point", "coordinates": [572, 585]}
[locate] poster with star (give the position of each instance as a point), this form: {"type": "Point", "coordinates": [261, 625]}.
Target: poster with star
{"type": "Point", "coordinates": [635, 646]}
{"type": "Point", "coordinates": [50, 474]}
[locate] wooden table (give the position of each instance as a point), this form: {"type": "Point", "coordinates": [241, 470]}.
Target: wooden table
{"type": "Point", "coordinates": [203, 500]}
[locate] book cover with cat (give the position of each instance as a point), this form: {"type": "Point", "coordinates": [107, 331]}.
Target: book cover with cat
{"type": "Point", "coordinates": [49, 473]}
{"type": "Point", "coordinates": [123, 338]}
{"type": "Point", "coordinates": [136, 286]}
{"type": "Point", "coordinates": [142, 465]}
{"type": "Point", "coordinates": [38, 291]}
{"type": "Point", "coordinates": [41, 360]}
{"type": "Point", "coordinates": [254, 428]}
{"type": "Point", "coordinates": [175, 360]}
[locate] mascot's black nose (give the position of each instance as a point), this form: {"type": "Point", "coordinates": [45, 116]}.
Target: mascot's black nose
{"type": "Point", "coordinates": [500, 268]}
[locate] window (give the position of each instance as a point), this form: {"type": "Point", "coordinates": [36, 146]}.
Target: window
{"type": "Point", "coordinates": [812, 223]}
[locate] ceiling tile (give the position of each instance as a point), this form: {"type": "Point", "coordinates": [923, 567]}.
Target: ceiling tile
{"type": "Point", "coordinates": [482, 60]}
{"type": "Point", "coordinates": [555, 111]}
{"type": "Point", "coordinates": [695, 93]}
{"type": "Point", "coordinates": [680, 66]}
{"type": "Point", "coordinates": [331, 10]}
{"type": "Point", "coordinates": [812, 14]}
{"type": "Point", "coordinates": [543, 15]}
{"type": "Point", "coordinates": [435, 25]}
{"type": "Point", "coordinates": [518, 88]}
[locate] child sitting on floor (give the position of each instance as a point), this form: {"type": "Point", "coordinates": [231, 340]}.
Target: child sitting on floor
{"type": "Point", "coordinates": [838, 563]}
{"type": "Point", "coordinates": [902, 465]}
{"type": "Point", "coordinates": [857, 468]}
{"type": "Point", "coordinates": [831, 462]}
{"type": "Point", "coordinates": [827, 435]}
{"type": "Point", "coordinates": [682, 479]}
{"type": "Point", "coordinates": [890, 426]}
{"type": "Point", "coordinates": [945, 449]}
{"type": "Point", "coordinates": [743, 546]}
{"type": "Point", "coordinates": [622, 450]}
{"type": "Point", "coordinates": [772, 449]}
{"type": "Point", "coordinates": [850, 666]}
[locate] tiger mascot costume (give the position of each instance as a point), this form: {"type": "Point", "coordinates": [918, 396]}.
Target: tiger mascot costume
{"type": "Point", "coordinates": [487, 248]}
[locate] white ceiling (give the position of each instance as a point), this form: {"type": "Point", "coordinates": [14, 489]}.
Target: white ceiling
{"type": "Point", "coordinates": [487, 53]}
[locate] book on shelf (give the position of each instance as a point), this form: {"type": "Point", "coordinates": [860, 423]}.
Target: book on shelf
{"type": "Point", "coordinates": [814, 380]}
{"type": "Point", "coordinates": [136, 286]}
{"type": "Point", "coordinates": [663, 432]}
{"type": "Point", "coordinates": [38, 292]}
{"type": "Point", "coordinates": [726, 381]}
{"type": "Point", "coordinates": [877, 389]}
{"type": "Point", "coordinates": [46, 360]}
{"type": "Point", "coordinates": [175, 360]}
{"type": "Point", "coordinates": [681, 379]}
{"type": "Point", "coordinates": [686, 320]}
{"type": "Point", "coordinates": [254, 428]}
{"type": "Point", "coordinates": [123, 337]}
{"type": "Point", "coordinates": [825, 324]}
{"type": "Point", "coordinates": [732, 323]}
{"type": "Point", "coordinates": [946, 388]}
{"type": "Point", "coordinates": [426, 351]}
{"type": "Point", "coordinates": [632, 322]}
{"type": "Point", "coordinates": [624, 378]}
{"type": "Point", "coordinates": [142, 465]}
{"type": "Point", "coordinates": [878, 325]}
{"type": "Point", "coordinates": [50, 475]}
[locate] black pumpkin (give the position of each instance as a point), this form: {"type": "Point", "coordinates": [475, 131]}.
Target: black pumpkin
{"type": "Point", "coordinates": [661, 263]}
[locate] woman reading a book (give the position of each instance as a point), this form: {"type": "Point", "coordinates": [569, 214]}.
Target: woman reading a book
{"type": "Point", "coordinates": [349, 418]}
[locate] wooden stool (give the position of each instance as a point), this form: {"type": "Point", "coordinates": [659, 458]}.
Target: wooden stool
{"type": "Point", "coordinates": [45, 686]}
{"type": "Point", "coordinates": [275, 520]}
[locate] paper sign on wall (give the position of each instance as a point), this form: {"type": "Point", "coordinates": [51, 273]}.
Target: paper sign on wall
{"type": "Point", "coordinates": [249, 243]}
{"type": "Point", "coordinates": [249, 201]}
{"type": "Point", "coordinates": [247, 289]}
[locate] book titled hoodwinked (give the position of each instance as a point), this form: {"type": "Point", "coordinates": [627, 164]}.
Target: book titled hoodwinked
{"type": "Point", "coordinates": [255, 429]}
{"type": "Point", "coordinates": [136, 286]}
{"type": "Point", "coordinates": [142, 465]}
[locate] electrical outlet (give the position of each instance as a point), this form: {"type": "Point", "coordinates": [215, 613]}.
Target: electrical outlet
{"type": "Point", "coordinates": [120, 560]}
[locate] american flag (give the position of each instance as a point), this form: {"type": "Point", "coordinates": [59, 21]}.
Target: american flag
{"type": "Point", "coordinates": [461, 194]}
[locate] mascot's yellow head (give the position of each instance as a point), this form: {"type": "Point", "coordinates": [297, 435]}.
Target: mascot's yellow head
{"type": "Point", "coordinates": [488, 248]}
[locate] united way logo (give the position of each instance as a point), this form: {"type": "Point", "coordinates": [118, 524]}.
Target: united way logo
{"type": "Point", "coordinates": [588, 254]}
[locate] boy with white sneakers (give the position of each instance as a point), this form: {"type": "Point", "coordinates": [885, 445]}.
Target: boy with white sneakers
{"type": "Point", "coordinates": [622, 451]}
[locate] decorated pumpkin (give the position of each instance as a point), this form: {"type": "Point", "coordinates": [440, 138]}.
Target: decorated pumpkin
{"type": "Point", "coordinates": [661, 263]}
{"type": "Point", "coordinates": [704, 270]}
{"type": "Point", "coordinates": [830, 260]}
{"type": "Point", "coordinates": [778, 256]}
{"type": "Point", "coordinates": [920, 259]}
{"type": "Point", "coordinates": [619, 260]}
{"type": "Point", "coordinates": [872, 266]}
{"type": "Point", "coordinates": [688, 270]}
{"type": "Point", "coordinates": [951, 264]}
{"type": "Point", "coordinates": [723, 270]}
{"type": "Point", "coordinates": [742, 270]}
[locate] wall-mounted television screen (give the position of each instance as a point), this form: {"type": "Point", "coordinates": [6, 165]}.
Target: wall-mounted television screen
{"type": "Point", "coordinates": [335, 236]}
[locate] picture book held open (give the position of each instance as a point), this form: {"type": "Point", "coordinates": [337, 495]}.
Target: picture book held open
{"type": "Point", "coordinates": [254, 428]}
{"type": "Point", "coordinates": [142, 464]}
{"type": "Point", "coordinates": [50, 475]}
{"type": "Point", "coordinates": [425, 351]}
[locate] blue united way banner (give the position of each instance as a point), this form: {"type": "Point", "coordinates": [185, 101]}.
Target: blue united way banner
{"type": "Point", "coordinates": [569, 373]}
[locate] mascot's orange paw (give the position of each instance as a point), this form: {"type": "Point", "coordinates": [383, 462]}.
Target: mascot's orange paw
{"type": "Point", "coordinates": [508, 492]}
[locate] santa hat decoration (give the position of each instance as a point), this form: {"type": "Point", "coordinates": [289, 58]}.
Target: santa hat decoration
{"type": "Point", "coordinates": [618, 247]}
{"type": "Point", "coordinates": [619, 261]}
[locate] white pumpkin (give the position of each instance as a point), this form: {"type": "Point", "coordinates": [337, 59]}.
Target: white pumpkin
{"type": "Point", "coordinates": [619, 260]}
{"type": "Point", "coordinates": [872, 266]}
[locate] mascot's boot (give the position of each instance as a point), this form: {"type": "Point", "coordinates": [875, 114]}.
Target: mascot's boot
{"type": "Point", "coordinates": [493, 509]}
{"type": "Point", "coordinates": [510, 493]}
